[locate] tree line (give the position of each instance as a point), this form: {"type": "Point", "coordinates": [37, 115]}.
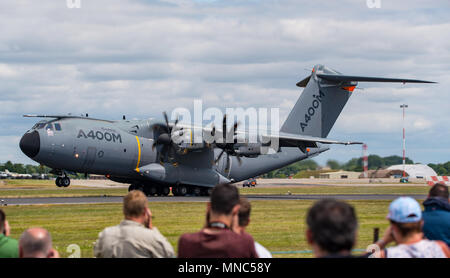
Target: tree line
{"type": "Point", "coordinates": [355, 164]}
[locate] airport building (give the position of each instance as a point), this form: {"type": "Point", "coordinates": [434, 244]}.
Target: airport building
{"type": "Point", "coordinates": [413, 171]}
{"type": "Point", "coordinates": [340, 175]}
{"type": "Point", "coordinates": [417, 171]}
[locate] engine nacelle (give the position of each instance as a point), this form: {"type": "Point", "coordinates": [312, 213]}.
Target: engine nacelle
{"type": "Point", "coordinates": [252, 150]}
{"type": "Point", "coordinates": [184, 139]}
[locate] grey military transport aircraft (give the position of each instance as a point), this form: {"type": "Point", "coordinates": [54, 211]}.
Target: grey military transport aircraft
{"type": "Point", "coordinates": [144, 154]}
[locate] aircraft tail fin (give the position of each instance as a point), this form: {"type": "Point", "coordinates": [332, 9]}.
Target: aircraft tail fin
{"type": "Point", "coordinates": [321, 102]}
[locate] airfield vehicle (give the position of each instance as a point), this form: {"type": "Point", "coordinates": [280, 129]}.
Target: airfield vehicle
{"type": "Point", "coordinates": [249, 183]}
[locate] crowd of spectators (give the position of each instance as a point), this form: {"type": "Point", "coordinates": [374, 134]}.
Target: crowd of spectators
{"type": "Point", "coordinates": [332, 231]}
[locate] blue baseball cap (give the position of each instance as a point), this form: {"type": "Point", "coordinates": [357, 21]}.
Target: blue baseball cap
{"type": "Point", "coordinates": [405, 210]}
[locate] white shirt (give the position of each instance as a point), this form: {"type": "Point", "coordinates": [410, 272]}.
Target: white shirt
{"type": "Point", "coordinates": [262, 251]}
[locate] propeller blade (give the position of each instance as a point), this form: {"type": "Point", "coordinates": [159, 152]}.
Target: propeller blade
{"type": "Point", "coordinates": [218, 158]}
{"type": "Point", "coordinates": [166, 119]}
{"type": "Point", "coordinates": [224, 128]}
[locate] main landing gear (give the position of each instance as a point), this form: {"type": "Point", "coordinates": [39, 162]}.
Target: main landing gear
{"type": "Point", "coordinates": [62, 181]}
{"type": "Point", "coordinates": [179, 190]}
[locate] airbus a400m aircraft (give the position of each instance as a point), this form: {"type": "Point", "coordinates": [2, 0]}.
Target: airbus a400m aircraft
{"type": "Point", "coordinates": [145, 154]}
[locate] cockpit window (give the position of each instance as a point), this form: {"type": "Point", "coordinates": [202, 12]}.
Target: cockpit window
{"type": "Point", "coordinates": [38, 126]}
{"type": "Point", "coordinates": [49, 127]}
{"type": "Point", "coordinates": [57, 126]}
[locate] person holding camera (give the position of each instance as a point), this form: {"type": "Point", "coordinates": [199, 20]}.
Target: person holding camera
{"type": "Point", "coordinates": [220, 238]}
{"type": "Point", "coordinates": [406, 223]}
{"type": "Point", "coordinates": [135, 236]}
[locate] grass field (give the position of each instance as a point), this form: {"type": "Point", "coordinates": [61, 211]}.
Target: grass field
{"type": "Point", "coordinates": [278, 225]}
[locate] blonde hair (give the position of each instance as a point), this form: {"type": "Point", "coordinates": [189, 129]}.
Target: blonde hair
{"type": "Point", "coordinates": [134, 203]}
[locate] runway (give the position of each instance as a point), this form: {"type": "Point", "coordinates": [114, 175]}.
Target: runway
{"type": "Point", "coordinates": [109, 199]}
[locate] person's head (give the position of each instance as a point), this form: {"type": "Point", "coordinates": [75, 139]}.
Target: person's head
{"type": "Point", "coordinates": [224, 201]}
{"type": "Point", "coordinates": [2, 222]}
{"type": "Point", "coordinates": [244, 212]}
{"type": "Point", "coordinates": [405, 216]}
{"type": "Point", "coordinates": [135, 207]}
{"type": "Point", "coordinates": [332, 227]}
{"type": "Point", "coordinates": [35, 243]}
{"type": "Point", "coordinates": [439, 190]}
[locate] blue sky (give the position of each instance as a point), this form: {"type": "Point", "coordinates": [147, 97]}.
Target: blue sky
{"type": "Point", "coordinates": [140, 58]}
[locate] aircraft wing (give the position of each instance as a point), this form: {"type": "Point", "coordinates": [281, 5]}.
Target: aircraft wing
{"type": "Point", "coordinates": [349, 78]}
{"type": "Point", "coordinates": [63, 117]}
{"type": "Point", "coordinates": [292, 140]}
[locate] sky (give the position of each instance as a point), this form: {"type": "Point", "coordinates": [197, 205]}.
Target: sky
{"type": "Point", "coordinates": [140, 58]}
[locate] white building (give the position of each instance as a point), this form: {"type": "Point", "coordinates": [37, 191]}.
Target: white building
{"type": "Point", "coordinates": [418, 171]}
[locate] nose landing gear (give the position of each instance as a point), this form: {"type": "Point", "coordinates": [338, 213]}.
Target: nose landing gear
{"type": "Point", "coordinates": [62, 181]}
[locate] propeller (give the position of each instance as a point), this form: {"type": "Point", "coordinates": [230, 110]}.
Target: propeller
{"type": "Point", "coordinates": [164, 143]}
{"type": "Point", "coordinates": [227, 147]}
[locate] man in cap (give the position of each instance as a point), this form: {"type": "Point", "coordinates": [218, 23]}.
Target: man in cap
{"type": "Point", "coordinates": [405, 216]}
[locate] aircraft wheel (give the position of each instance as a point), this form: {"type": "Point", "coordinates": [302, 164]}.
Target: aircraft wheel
{"type": "Point", "coordinates": [197, 191]}
{"type": "Point", "coordinates": [58, 182]}
{"type": "Point", "coordinates": [137, 187]}
{"type": "Point", "coordinates": [65, 182]}
{"type": "Point", "coordinates": [182, 191]}
{"type": "Point", "coordinates": [165, 191]}
{"type": "Point", "coordinates": [150, 190]}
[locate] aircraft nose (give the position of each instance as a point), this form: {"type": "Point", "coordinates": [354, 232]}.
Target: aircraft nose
{"type": "Point", "coordinates": [30, 144]}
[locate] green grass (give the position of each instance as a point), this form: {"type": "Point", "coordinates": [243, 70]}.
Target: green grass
{"type": "Point", "coordinates": [278, 225]}
{"type": "Point", "coordinates": [29, 184]}
{"type": "Point", "coordinates": [63, 192]}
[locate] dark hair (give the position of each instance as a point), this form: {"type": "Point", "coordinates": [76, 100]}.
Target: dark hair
{"type": "Point", "coordinates": [439, 190]}
{"type": "Point", "coordinates": [333, 225]}
{"type": "Point", "coordinates": [244, 212]}
{"type": "Point", "coordinates": [407, 229]}
{"type": "Point", "coordinates": [2, 221]}
{"type": "Point", "coordinates": [223, 198]}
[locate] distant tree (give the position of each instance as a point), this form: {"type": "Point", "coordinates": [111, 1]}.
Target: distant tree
{"type": "Point", "coordinates": [441, 169]}
{"type": "Point", "coordinates": [292, 169]}
{"type": "Point", "coordinates": [9, 166]}
{"type": "Point", "coordinates": [333, 164]}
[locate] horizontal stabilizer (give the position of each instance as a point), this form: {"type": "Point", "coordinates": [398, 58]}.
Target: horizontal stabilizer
{"type": "Point", "coordinates": [349, 78]}
{"type": "Point", "coordinates": [304, 82]}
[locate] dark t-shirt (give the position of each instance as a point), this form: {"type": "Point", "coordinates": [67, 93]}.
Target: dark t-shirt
{"type": "Point", "coordinates": [224, 244]}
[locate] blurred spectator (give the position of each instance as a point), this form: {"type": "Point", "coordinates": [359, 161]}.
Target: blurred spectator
{"type": "Point", "coordinates": [135, 236]}
{"type": "Point", "coordinates": [36, 243]}
{"type": "Point", "coordinates": [436, 215]}
{"type": "Point", "coordinates": [405, 216]}
{"type": "Point", "coordinates": [332, 229]}
{"type": "Point", "coordinates": [220, 237]}
{"type": "Point", "coordinates": [244, 220]}
{"type": "Point", "coordinates": [9, 248]}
